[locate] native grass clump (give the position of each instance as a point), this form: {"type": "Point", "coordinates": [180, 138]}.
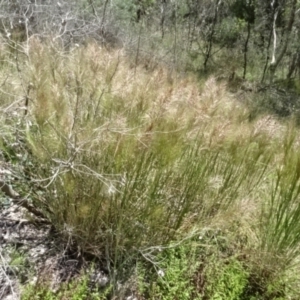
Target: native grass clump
{"type": "Point", "coordinates": [131, 165]}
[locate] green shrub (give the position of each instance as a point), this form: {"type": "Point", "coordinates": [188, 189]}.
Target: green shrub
{"type": "Point", "coordinates": [174, 273]}
{"type": "Point", "coordinates": [77, 289]}
{"type": "Point", "coordinates": [226, 280]}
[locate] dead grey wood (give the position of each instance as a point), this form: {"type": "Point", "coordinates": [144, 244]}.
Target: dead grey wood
{"type": "Point", "coordinates": [9, 192]}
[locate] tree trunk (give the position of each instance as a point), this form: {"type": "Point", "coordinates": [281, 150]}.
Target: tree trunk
{"type": "Point", "coordinates": [275, 62]}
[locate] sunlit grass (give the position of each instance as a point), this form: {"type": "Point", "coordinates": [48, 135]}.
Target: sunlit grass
{"type": "Point", "coordinates": [129, 159]}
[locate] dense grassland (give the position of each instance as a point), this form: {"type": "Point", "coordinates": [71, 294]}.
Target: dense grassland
{"type": "Point", "coordinates": [163, 177]}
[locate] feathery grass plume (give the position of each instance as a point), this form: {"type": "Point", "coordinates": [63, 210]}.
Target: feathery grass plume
{"type": "Point", "coordinates": [281, 214]}
{"type": "Point", "coordinates": [126, 159]}
{"type": "Point", "coordinates": [126, 155]}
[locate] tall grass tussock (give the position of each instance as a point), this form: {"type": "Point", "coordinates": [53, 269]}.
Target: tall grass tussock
{"type": "Point", "coordinates": [153, 172]}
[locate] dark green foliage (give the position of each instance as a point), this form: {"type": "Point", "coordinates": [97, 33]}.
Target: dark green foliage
{"type": "Point", "coordinates": [244, 9]}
